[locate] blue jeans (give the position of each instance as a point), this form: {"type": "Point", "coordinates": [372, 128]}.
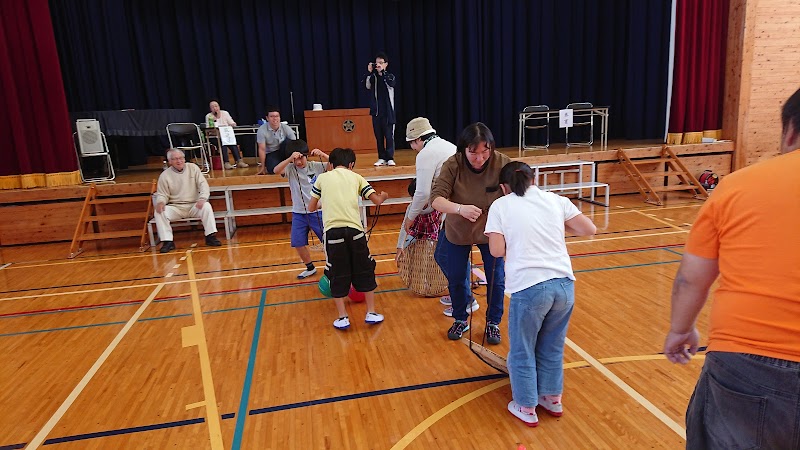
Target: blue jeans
{"type": "Point", "coordinates": [745, 401]}
{"type": "Point", "coordinates": [537, 327]}
{"type": "Point", "coordinates": [440, 257]}
{"type": "Point", "coordinates": [454, 261]}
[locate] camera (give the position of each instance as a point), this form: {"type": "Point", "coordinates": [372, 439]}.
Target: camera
{"type": "Point", "coordinates": [374, 66]}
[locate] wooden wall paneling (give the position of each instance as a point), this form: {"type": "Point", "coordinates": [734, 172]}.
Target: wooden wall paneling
{"type": "Point", "coordinates": [35, 223]}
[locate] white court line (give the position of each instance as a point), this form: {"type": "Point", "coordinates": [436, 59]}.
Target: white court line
{"type": "Point", "coordinates": [653, 216]}
{"type": "Point", "coordinates": [5, 265]}
{"type": "Point", "coordinates": [272, 272]}
{"type": "Point", "coordinates": [48, 427]}
{"type": "Point", "coordinates": [679, 430]}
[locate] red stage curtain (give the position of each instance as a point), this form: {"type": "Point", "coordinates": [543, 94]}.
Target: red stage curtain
{"type": "Point", "coordinates": [36, 144]}
{"type": "Point", "coordinates": [701, 31]}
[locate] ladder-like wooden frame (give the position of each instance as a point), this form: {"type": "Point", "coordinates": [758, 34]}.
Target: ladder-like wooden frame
{"type": "Point", "coordinates": [89, 220]}
{"type": "Point", "coordinates": [672, 167]}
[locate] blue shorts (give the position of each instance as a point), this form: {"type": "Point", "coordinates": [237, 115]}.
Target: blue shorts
{"type": "Point", "coordinates": [301, 223]}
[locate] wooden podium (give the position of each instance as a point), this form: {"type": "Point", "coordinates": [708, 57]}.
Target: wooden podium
{"type": "Point", "coordinates": [333, 128]}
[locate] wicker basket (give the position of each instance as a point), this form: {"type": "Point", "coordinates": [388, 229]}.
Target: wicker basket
{"type": "Point", "coordinates": [419, 271]}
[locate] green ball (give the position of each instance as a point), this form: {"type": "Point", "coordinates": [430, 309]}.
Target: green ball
{"type": "Point", "coordinates": [324, 286]}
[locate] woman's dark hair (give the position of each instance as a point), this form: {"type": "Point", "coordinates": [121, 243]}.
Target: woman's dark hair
{"type": "Point", "coordinates": [473, 135]}
{"type": "Point", "coordinates": [342, 157]}
{"type": "Point", "coordinates": [518, 176]}
{"type": "Point", "coordinates": [791, 112]}
{"type": "Point", "coordinates": [412, 187]}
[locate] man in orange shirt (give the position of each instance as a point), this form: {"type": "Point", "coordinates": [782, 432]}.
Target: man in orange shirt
{"type": "Point", "coordinates": [749, 390]}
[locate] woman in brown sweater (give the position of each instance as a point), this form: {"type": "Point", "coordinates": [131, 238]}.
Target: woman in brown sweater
{"type": "Point", "coordinates": [464, 190]}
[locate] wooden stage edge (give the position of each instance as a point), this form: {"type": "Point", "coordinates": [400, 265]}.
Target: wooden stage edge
{"type": "Point", "coordinates": [51, 214]}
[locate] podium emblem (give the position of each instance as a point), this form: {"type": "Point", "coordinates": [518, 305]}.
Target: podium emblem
{"type": "Point", "coordinates": [348, 126]}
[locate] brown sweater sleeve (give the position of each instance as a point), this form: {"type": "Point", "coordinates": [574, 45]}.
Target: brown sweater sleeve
{"type": "Point", "coordinates": [443, 187]}
{"type": "Point", "coordinates": [469, 188]}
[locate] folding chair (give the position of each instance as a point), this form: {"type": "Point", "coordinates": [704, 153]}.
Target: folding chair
{"type": "Point", "coordinates": [534, 118]}
{"type": "Point", "coordinates": [189, 139]}
{"type": "Point", "coordinates": [581, 112]}
{"type": "Point", "coordinates": [90, 142]}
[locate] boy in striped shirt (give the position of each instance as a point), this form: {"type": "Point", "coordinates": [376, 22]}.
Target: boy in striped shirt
{"type": "Point", "coordinates": [348, 257]}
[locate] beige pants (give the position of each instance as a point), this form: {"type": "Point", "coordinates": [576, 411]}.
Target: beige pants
{"type": "Point", "coordinates": [175, 212]}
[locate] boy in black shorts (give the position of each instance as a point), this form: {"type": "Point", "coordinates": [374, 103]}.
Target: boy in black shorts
{"type": "Point", "coordinates": [348, 258]}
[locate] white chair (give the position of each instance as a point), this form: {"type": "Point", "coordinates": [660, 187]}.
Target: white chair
{"type": "Point", "coordinates": [580, 113]}
{"type": "Point", "coordinates": [190, 140]}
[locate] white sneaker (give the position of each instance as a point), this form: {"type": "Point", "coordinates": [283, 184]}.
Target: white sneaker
{"type": "Point", "coordinates": [242, 164]}
{"type": "Point", "coordinates": [380, 162]}
{"type": "Point", "coordinates": [446, 301]}
{"type": "Point", "coordinates": [470, 309]}
{"type": "Point", "coordinates": [228, 166]}
{"type": "Point", "coordinates": [530, 419]}
{"type": "Point", "coordinates": [391, 163]}
{"type": "Point", "coordinates": [342, 323]}
{"type": "Point", "coordinates": [306, 273]}
{"type": "Point", "coordinates": [373, 317]}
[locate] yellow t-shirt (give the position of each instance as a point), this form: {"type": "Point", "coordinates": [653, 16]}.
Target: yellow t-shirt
{"type": "Point", "coordinates": [339, 191]}
{"type": "Point", "coordinates": [750, 224]}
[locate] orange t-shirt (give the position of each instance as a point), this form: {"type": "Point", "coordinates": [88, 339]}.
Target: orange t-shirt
{"type": "Point", "coordinates": [751, 224]}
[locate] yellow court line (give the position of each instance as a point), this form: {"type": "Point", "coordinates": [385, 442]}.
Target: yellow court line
{"type": "Point", "coordinates": [435, 417]}
{"type": "Point", "coordinates": [195, 335]}
{"type": "Point", "coordinates": [660, 415]}
{"type": "Point", "coordinates": [649, 216]}
{"type": "Point", "coordinates": [632, 236]}
{"type": "Point", "coordinates": [618, 359]}
{"type": "Point", "coordinates": [48, 427]}
{"type": "Point", "coordinates": [427, 423]}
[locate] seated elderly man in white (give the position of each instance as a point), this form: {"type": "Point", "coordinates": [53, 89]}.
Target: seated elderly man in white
{"type": "Point", "coordinates": [182, 192]}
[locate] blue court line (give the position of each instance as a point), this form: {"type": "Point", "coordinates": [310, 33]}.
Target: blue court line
{"type": "Point", "coordinates": [175, 316]}
{"type": "Point", "coordinates": [181, 423]}
{"type": "Point", "coordinates": [673, 251]}
{"type": "Point", "coordinates": [342, 398]}
{"type": "Point", "coordinates": [246, 290]}
{"type": "Point", "coordinates": [629, 266]}
{"type": "Point", "coordinates": [46, 330]}
{"type": "Point", "coordinates": [248, 378]}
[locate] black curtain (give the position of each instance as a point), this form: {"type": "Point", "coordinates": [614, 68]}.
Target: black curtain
{"type": "Point", "coordinates": [457, 61]}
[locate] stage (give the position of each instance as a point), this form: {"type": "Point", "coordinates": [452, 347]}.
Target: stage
{"type": "Point", "coordinates": [51, 214]}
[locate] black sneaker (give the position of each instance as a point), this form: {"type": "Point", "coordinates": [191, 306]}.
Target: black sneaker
{"type": "Point", "coordinates": [167, 246]}
{"type": "Point", "coordinates": [492, 333]}
{"type": "Point", "coordinates": [457, 329]}
{"type": "Point", "coordinates": [212, 240]}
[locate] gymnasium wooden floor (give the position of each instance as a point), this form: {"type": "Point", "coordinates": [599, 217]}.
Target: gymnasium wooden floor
{"type": "Point", "coordinates": [92, 350]}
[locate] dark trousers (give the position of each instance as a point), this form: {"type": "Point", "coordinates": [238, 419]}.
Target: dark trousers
{"type": "Point", "coordinates": [384, 131]}
{"type": "Point", "coordinates": [744, 401]}
{"type": "Point", "coordinates": [274, 158]}
{"type": "Point", "coordinates": [234, 151]}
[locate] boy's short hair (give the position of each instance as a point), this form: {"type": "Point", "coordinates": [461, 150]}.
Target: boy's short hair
{"type": "Point", "coordinates": [342, 157]}
{"type": "Point", "coordinates": [297, 145]}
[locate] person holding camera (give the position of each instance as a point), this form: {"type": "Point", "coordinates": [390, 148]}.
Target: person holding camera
{"type": "Point", "coordinates": [381, 85]}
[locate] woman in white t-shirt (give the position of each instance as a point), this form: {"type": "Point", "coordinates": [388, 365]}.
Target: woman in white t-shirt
{"type": "Point", "coordinates": [527, 227]}
{"type": "Point", "coordinates": [222, 118]}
